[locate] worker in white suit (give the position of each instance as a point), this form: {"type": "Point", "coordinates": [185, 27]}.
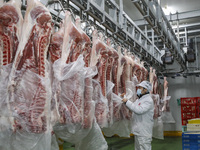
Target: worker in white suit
{"type": "Point", "coordinates": [143, 111]}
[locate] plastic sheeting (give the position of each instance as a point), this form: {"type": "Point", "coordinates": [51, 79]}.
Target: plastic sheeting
{"type": "Point", "coordinates": [121, 126]}
{"type": "Point", "coordinates": [126, 113]}
{"type": "Point", "coordinates": [83, 127]}
{"type": "Point", "coordinates": [32, 113]}
{"type": "Point", "coordinates": [158, 128]}
{"type": "Point", "coordinates": [132, 85]}
{"type": "Point", "coordinates": [166, 113]}
{"type": "Point", "coordinates": [161, 115]}
{"type": "Point", "coordinates": [5, 110]}
{"type": "Point", "coordinates": [167, 117]}
{"type": "Point", "coordinates": [5, 136]}
{"type": "Point", "coordinates": [166, 100]}
{"type": "Point", "coordinates": [156, 100]}
{"type": "Point", "coordinates": [109, 88]}
{"type": "Point", "coordinates": [21, 102]}
{"type": "Point", "coordinates": [30, 141]}
{"type": "Point", "coordinates": [101, 107]}
{"type": "Point", "coordinates": [85, 134]}
{"type": "Point", "coordinates": [6, 118]}
{"type": "Point", "coordinates": [93, 141]}
{"type": "Point", "coordinates": [54, 143]}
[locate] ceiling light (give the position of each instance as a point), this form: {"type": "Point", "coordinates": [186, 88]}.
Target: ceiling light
{"type": "Point", "coordinates": [167, 10]}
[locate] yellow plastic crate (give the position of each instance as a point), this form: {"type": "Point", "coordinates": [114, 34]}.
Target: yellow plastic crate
{"type": "Point", "coordinates": [194, 121]}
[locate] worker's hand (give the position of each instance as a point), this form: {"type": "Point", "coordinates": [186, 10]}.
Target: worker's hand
{"type": "Point", "coordinates": [122, 95]}
{"type": "Point", "coordinates": [124, 100]}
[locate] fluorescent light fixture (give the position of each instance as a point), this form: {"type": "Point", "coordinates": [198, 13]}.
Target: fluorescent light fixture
{"type": "Point", "coordinates": [167, 10]}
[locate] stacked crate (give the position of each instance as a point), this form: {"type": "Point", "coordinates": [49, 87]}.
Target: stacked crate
{"type": "Point", "coordinates": [189, 109]}
{"type": "Point", "coordinates": [191, 141]}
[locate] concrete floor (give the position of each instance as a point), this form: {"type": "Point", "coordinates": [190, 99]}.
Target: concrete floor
{"type": "Point", "coordinates": [116, 143]}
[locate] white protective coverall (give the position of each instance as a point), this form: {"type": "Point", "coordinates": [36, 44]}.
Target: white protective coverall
{"type": "Point", "coordinates": [142, 125]}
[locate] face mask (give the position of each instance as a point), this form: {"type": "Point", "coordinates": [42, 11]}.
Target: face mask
{"type": "Point", "coordinates": [139, 92]}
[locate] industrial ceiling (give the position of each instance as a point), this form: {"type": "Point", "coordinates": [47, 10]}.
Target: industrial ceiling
{"type": "Point", "coordinates": [184, 18]}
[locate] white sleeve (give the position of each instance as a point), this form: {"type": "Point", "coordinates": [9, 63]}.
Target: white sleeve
{"type": "Point", "coordinates": [139, 109]}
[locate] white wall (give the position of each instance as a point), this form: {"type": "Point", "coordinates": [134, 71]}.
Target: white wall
{"type": "Point", "coordinates": [181, 87]}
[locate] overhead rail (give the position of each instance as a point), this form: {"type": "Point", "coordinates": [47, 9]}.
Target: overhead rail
{"type": "Point", "coordinates": [176, 16]}
{"type": "Point", "coordinates": [155, 17]}
{"type": "Point", "coordinates": [184, 15]}
{"type": "Point", "coordinates": [110, 17]}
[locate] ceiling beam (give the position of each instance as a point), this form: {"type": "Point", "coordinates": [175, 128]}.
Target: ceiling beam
{"type": "Point", "coordinates": [161, 26]}
{"type": "Point", "coordinates": [174, 17]}
{"type": "Point", "coordinates": [197, 31]}
{"type": "Point", "coordinates": [184, 15]}
{"type": "Point", "coordinates": [141, 22]}
{"type": "Point", "coordinates": [186, 25]}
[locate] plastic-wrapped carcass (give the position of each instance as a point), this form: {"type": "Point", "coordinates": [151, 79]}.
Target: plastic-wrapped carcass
{"type": "Point", "coordinates": [72, 125]}
{"type": "Point", "coordinates": [158, 128]}
{"type": "Point", "coordinates": [10, 33]}
{"type": "Point", "coordinates": [122, 126]}
{"type": "Point", "coordinates": [94, 140]}
{"type": "Point", "coordinates": [29, 85]}
{"type": "Point", "coordinates": [166, 114]}
{"type": "Point", "coordinates": [99, 58]}
{"type": "Point", "coordinates": [73, 87]}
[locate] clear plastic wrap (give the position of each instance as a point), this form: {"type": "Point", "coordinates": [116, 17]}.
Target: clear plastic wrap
{"type": "Point", "coordinates": [6, 117]}
{"type": "Point", "coordinates": [89, 104]}
{"type": "Point", "coordinates": [121, 125]}
{"type": "Point", "coordinates": [121, 128]}
{"type": "Point", "coordinates": [117, 103]}
{"type": "Point", "coordinates": [5, 136]}
{"type": "Point", "coordinates": [31, 111]}
{"type": "Point", "coordinates": [30, 141]}
{"type": "Point", "coordinates": [101, 107]}
{"type": "Point", "coordinates": [75, 106]}
{"type": "Point", "coordinates": [135, 82]}
{"type": "Point", "coordinates": [29, 88]}
{"type": "Point", "coordinates": [109, 88]}
{"type": "Point", "coordinates": [126, 113]}
{"type": "Point", "coordinates": [158, 128]}
{"type": "Point", "coordinates": [166, 100]}
{"type": "Point", "coordinates": [54, 143]}
{"type": "Point", "coordinates": [166, 113]}
{"type": "Point", "coordinates": [167, 117]}
{"type": "Point", "coordinates": [93, 141]}
{"type": "Point", "coordinates": [5, 110]}
{"type": "Point", "coordinates": [132, 86]}
{"type": "Point", "coordinates": [156, 100]}
{"type": "Point", "coordinates": [29, 130]}
{"type": "Point", "coordinates": [32, 103]}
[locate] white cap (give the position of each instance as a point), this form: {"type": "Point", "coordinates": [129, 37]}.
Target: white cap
{"type": "Point", "coordinates": [146, 84]}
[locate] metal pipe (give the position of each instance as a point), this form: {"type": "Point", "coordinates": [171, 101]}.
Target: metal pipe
{"type": "Point", "coordinates": [196, 50]}
{"type": "Point", "coordinates": [152, 32]}
{"type": "Point", "coordinates": [178, 30]}
{"type": "Point", "coordinates": [145, 30]}
{"type": "Point", "coordinates": [121, 13]}
{"type": "Point", "coordinates": [186, 44]}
